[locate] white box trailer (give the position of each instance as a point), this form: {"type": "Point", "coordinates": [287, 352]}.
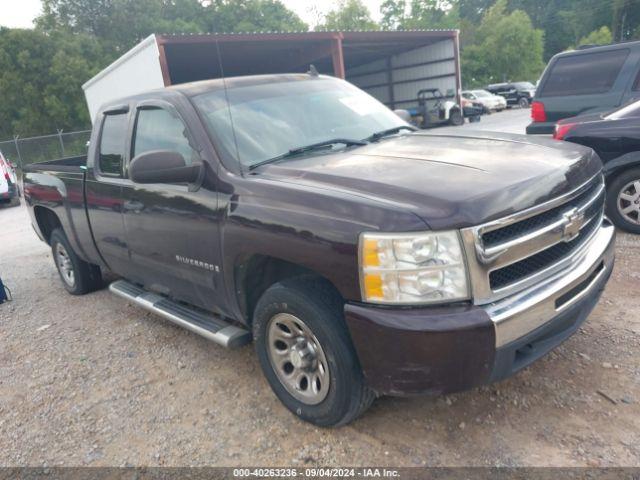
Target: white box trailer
{"type": "Point", "coordinates": [391, 66]}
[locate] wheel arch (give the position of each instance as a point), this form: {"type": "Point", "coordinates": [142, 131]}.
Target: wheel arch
{"type": "Point", "coordinates": [47, 221]}
{"type": "Point", "coordinates": [614, 167]}
{"type": "Point", "coordinates": [254, 274]}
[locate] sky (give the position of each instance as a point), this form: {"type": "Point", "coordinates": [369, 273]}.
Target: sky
{"type": "Point", "coordinates": [20, 13]}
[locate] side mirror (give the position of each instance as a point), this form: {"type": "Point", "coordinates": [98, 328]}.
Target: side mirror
{"type": "Point", "coordinates": [163, 166]}
{"type": "Point", "coordinates": [403, 114]}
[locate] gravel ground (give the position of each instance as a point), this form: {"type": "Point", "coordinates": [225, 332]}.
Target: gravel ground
{"type": "Point", "coordinates": [95, 381]}
{"type": "Point", "coordinates": [513, 120]}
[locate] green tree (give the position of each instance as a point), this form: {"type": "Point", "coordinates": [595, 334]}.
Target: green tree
{"type": "Point", "coordinates": [251, 16]}
{"type": "Point", "coordinates": [507, 47]}
{"type": "Point", "coordinates": [349, 15]}
{"type": "Point", "coordinates": [120, 24]}
{"type": "Point", "coordinates": [601, 36]}
{"type": "Point", "coordinates": [565, 22]}
{"type": "Point", "coordinates": [41, 79]}
{"type": "Point", "coordinates": [626, 20]}
{"type": "Point", "coordinates": [419, 14]}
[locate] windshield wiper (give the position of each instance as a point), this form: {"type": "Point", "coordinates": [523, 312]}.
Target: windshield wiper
{"type": "Point", "coordinates": [309, 148]}
{"type": "Point", "coordinates": [389, 131]}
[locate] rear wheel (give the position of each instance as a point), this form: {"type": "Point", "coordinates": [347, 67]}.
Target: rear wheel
{"type": "Point", "coordinates": [306, 353]}
{"type": "Point", "coordinates": [78, 276]}
{"type": "Point", "coordinates": [623, 200]}
{"type": "Point", "coordinates": [523, 102]}
{"type": "Point", "coordinates": [456, 118]}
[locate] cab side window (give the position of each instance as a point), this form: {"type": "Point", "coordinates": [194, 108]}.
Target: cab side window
{"type": "Point", "coordinates": [160, 129]}
{"type": "Point", "coordinates": [112, 145]}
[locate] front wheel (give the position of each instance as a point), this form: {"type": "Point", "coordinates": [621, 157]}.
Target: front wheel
{"type": "Point", "coordinates": [456, 118]}
{"type": "Point", "coordinates": [306, 354]}
{"type": "Point", "coordinates": [78, 276]}
{"type": "Point", "coordinates": [523, 102]}
{"type": "Point", "coordinates": [623, 200]}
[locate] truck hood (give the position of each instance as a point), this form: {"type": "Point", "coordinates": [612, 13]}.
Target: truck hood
{"type": "Point", "coordinates": [449, 180]}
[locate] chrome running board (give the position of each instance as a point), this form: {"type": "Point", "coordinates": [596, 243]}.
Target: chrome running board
{"type": "Point", "coordinates": [209, 326]}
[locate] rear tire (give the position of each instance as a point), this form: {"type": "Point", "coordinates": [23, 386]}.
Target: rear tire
{"type": "Point", "coordinates": [456, 118]}
{"type": "Point", "coordinates": [78, 276]}
{"type": "Point", "coordinates": [319, 348]}
{"type": "Point", "coordinates": [523, 102]}
{"type": "Point", "coordinates": [623, 200]}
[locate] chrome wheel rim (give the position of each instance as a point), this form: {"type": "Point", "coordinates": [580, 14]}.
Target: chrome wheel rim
{"type": "Point", "coordinates": [297, 358]}
{"type": "Point", "coordinates": [65, 267]}
{"type": "Point", "coordinates": [629, 202]}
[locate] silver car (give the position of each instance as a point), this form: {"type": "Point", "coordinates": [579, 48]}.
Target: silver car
{"type": "Point", "coordinates": [488, 100]}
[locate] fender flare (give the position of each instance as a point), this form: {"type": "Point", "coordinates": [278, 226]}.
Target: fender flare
{"type": "Point", "coordinates": [630, 159]}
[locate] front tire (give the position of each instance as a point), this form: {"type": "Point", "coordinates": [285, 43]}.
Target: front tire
{"type": "Point", "coordinates": [623, 200]}
{"type": "Point", "coordinates": [523, 102]}
{"type": "Point", "coordinates": [78, 276]}
{"type": "Point", "coordinates": [306, 354]}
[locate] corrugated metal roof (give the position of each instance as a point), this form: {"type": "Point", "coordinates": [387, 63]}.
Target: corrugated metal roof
{"type": "Point", "coordinates": [302, 32]}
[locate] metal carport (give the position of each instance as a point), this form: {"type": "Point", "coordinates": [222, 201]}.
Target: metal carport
{"type": "Point", "coordinates": [390, 65]}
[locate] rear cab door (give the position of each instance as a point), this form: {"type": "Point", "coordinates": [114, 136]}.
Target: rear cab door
{"type": "Point", "coordinates": [173, 230]}
{"type": "Point", "coordinates": [103, 187]}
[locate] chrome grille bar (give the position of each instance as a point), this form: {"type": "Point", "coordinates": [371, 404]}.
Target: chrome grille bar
{"type": "Point", "coordinates": [567, 220]}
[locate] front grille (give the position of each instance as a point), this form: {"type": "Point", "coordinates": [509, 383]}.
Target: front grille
{"type": "Point", "coordinates": [528, 225]}
{"type": "Point", "coordinates": [510, 254]}
{"type": "Point", "coordinates": [544, 259]}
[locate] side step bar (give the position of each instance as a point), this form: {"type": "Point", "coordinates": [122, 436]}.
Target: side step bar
{"type": "Point", "coordinates": [209, 326]}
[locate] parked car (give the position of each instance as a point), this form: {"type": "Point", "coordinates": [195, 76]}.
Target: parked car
{"type": "Point", "coordinates": [364, 257]}
{"type": "Point", "coordinates": [515, 93]}
{"type": "Point", "coordinates": [472, 110]}
{"type": "Point", "coordinates": [489, 101]}
{"type": "Point", "coordinates": [615, 136]}
{"type": "Point", "coordinates": [591, 80]}
{"type": "Point", "coordinates": [4, 190]}
{"type": "Point", "coordinates": [435, 109]}
{"type": "Point", "coordinates": [10, 180]}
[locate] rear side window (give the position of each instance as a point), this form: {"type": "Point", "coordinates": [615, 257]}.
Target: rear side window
{"type": "Point", "coordinates": [159, 129]}
{"type": "Point", "coordinates": [584, 74]}
{"type": "Point", "coordinates": [112, 141]}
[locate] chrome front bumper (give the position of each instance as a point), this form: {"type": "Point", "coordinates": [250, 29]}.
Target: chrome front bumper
{"type": "Point", "coordinates": [519, 314]}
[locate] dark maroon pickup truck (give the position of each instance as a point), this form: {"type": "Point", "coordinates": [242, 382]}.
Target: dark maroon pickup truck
{"type": "Point", "coordinates": [363, 257]}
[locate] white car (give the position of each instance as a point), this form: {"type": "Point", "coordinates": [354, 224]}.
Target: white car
{"type": "Point", "coordinates": [488, 100]}
{"type": "Point", "coordinates": [8, 180]}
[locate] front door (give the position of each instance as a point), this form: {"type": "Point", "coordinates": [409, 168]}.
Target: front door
{"type": "Point", "coordinates": [172, 232]}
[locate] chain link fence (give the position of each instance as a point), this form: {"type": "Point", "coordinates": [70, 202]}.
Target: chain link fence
{"type": "Point", "coordinates": [24, 151]}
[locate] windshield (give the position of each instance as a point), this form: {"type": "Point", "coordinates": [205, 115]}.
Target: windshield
{"type": "Point", "coordinates": [629, 111]}
{"type": "Point", "coordinates": [269, 120]}
{"type": "Point", "coordinates": [525, 85]}
{"type": "Point", "coordinates": [481, 93]}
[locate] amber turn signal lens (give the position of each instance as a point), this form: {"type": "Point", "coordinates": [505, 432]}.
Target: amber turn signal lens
{"type": "Point", "coordinates": [373, 286]}
{"type": "Point", "coordinates": [370, 251]}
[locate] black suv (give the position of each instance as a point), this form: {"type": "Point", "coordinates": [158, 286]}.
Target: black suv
{"type": "Point", "coordinates": [589, 80]}
{"type": "Point", "coordinates": [515, 93]}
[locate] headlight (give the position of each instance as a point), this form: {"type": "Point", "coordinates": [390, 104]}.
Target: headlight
{"type": "Point", "coordinates": [412, 268]}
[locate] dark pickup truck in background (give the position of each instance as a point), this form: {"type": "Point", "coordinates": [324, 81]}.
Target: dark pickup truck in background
{"type": "Point", "coordinates": [363, 258]}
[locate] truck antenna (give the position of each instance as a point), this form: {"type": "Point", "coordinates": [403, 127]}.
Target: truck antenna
{"type": "Point", "coordinates": [226, 96]}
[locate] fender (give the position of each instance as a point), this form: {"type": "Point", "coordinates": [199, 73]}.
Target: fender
{"type": "Point", "coordinates": [630, 159]}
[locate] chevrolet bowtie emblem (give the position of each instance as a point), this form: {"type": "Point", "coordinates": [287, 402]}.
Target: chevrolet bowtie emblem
{"type": "Point", "coordinates": [572, 222]}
